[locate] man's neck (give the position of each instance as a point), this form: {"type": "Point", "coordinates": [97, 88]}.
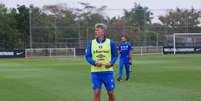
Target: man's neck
{"type": "Point", "coordinates": [100, 39]}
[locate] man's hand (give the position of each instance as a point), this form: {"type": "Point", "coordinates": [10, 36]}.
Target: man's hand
{"type": "Point", "coordinates": [98, 64]}
{"type": "Point", "coordinates": [130, 62]}
{"type": "Point", "coordinates": [108, 65]}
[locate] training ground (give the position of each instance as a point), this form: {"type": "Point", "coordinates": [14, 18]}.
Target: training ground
{"type": "Point", "coordinates": [155, 78]}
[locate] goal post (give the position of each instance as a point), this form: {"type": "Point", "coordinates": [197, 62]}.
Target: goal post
{"type": "Point", "coordinates": [189, 40]}
{"type": "Point", "coordinates": [50, 52]}
{"type": "Point", "coordinates": [148, 50]}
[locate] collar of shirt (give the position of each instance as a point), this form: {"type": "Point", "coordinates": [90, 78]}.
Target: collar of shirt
{"type": "Point", "coordinates": [101, 41]}
{"type": "Point", "coordinates": [124, 42]}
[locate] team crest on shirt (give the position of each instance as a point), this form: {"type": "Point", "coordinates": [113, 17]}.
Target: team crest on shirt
{"type": "Point", "coordinates": [100, 47]}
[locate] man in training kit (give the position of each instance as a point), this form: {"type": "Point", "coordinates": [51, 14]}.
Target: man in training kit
{"type": "Point", "coordinates": [101, 54]}
{"type": "Point", "coordinates": [125, 50]}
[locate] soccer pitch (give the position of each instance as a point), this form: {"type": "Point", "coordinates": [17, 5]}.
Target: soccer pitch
{"type": "Point", "coordinates": [155, 78]}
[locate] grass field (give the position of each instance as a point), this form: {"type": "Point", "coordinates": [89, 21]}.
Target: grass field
{"type": "Point", "coordinates": [156, 78]}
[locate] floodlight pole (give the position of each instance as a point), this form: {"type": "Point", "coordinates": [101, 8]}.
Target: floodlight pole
{"type": "Point", "coordinates": [79, 33]}
{"type": "Point", "coordinates": [157, 39]}
{"type": "Point", "coordinates": [30, 31]}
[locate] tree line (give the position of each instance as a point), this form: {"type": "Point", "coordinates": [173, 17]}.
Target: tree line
{"type": "Point", "coordinates": [57, 23]}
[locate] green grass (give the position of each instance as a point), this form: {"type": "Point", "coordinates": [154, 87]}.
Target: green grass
{"type": "Point", "coordinates": [156, 78]}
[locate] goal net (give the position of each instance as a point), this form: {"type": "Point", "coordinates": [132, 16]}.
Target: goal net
{"type": "Point", "coordinates": [50, 52]}
{"type": "Point", "coordinates": [148, 50]}
{"type": "Point", "coordinates": [186, 43]}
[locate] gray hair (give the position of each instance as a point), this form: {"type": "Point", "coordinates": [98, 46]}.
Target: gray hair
{"type": "Point", "coordinates": [102, 25]}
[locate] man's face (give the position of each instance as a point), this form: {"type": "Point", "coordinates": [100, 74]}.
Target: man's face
{"type": "Point", "coordinates": [123, 39]}
{"type": "Point", "coordinates": [99, 32]}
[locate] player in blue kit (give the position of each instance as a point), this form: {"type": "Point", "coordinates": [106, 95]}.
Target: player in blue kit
{"type": "Point", "coordinates": [125, 51]}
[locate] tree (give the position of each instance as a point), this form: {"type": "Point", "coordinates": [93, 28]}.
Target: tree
{"type": "Point", "coordinates": [22, 20]}
{"type": "Point", "coordinates": [10, 37]}
{"type": "Point", "coordinates": [138, 17]}
{"type": "Point", "coordinates": [87, 17]}
{"type": "Point", "coordinates": [116, 27]}
{"type": "Point", "coordinates": [181, 20]}
{"type": "Point", "coordinates": [137, 21]}
{"type": "Point", "coordinates": [61, 22]}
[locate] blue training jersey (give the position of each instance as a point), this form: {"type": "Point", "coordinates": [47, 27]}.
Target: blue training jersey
{"type": "Point", "coordinates": [124, 49]}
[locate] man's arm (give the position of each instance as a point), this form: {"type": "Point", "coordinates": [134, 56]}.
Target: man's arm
{"type": "Point", "coordinates": [88, 55]}
{"type": "Point", "coordinates": [130, 52]}
{"type": "Point", "coordinates": [119, 49]}
{"type": "Point", "coordinates": [114, 55]}
{"type": "Point", "coordinates": [114, 52]}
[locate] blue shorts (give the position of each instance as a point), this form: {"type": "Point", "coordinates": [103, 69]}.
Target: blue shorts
{"type": "Point", "coordinates": [106, 78]}
{"type": "Point", "coordinates": [124, 60]}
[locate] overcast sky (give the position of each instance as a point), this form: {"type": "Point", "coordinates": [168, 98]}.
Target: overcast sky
{"type": "Point", "coordinates": [157, 6]}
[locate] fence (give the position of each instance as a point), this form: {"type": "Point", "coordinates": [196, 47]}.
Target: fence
{"type": "Point", "coordinates": [54, 32]}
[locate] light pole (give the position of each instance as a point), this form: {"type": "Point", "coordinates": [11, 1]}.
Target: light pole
{"type": "Point", "coordinates": [55, 32]}
{"type": "Point", "coordinates": [79, 33]}
{"type": "Point", "coordinates": [157, 36]}
{"type": "Point", "coordinates": [30, 31]}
